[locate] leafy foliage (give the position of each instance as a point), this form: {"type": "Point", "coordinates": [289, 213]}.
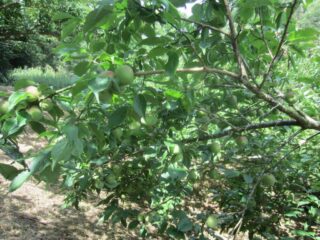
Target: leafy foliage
{"type": "Point", "coordinates": [183, 150]}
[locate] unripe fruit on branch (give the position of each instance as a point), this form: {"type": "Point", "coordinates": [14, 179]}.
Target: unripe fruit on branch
{"type": "Point", "coordinates": [212, 221]}
{"type": "Point", "coordinates": [176, 149]}
{"type": "Point", "coordinates": [4, 107]}
{"type": "Point", "coordinates": [33, 93]}
{"type": "Point", "coordinates": [215, 147]}
{"type": "Point", "coordinates": [46, 105]}
{"type": "Point", "coordinates": [242, 140]}
{"type": "Point", "coordinates": [35, 113]}
{"type": "Point", "coordinates": [149, 120]}
{"type": "Point", "coordinates": [111, 179]}
{"type": "Point", "coordinates": [117, 133]}
{"type": "Point", "coordinates": [231, 101]}
{"type": "Point", "coordinates": [268, 180]}
{"type": "Point", "coordinates": [290, 96]}
{"type": "Point", "coordinates": [124, 74]}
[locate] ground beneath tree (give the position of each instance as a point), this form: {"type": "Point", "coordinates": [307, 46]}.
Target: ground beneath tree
{"type": "Point", "coordinates": [35, 212]}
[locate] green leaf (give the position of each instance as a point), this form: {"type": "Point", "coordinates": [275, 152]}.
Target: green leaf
{"type": "Point", "coordinates": [99, 16]}
{"type": "Point", "coordinates": [37, 127]}
{"type": "Point", "coordinates": [68, 27]}
{"type": "Point", "coordinates": [140, 105]}
{"type": "Point", "coordinates": [38, 162]}
{"type": "Point", "coordinates": [8, 172]}
{"type": "Point", "coordinates": [19, 180]}
{"type": "Point", "coordinates": [173, 62]}
{"type": "Point", "coordinates": [81, 68]}
{"type": "Point", "coordinates": [22, 83]}
{"type": "Point", "coordinates": [61, 151]}
{"type": "Point", "coordinates": [133, 224]}
{"type": "Point", "coordinates": [173, 93]}
{"type": "Point", "coordinates": [157, 52]}
{"type": "Point", "coordinates": [61, 16]}
{"type": "Point", "coordinates": [50, 176]}
{"type": "Point", "coordinates": [98, 45]}
{"type": "Point", "coordinates": [71, 132]}
{"type": "Point", "coordinates": [16, 98]}
{"type": "Point", "coordinates": [303, 35]}
{"type": "Point", "coordinates": [99, 84]}
{"type": "Point", "coordinates": [117, 117]}
{"type": "Point", "coordinates": [13, 125]}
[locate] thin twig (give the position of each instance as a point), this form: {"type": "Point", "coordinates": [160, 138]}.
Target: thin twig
{"type": "Point", "coordinates": [234, 42]}
{"type": "Point", "coordinates": [204, 25]}
{"type": "Point", "coordinates": [191, 70]}
{"type": "Point", "coordinates": [280, 123]}
{"type": "Point", "coordinates": [284, 34]}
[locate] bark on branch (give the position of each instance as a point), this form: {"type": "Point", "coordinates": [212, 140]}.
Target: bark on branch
{"type": "Point", "coordinates": [280, 123]}
{"type": "Point", "coordinates": [191, 70]}
{"type": "Point", "coordinates": [204, 25]}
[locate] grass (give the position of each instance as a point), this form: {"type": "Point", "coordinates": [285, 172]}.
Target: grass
{"type": "Point", "coordinates": [56, 79]}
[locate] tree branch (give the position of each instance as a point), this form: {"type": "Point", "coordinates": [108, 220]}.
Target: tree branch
{"type": "Point", "coordinates": [204, 25]}
{"type": "Point", "coordinates": [279, 123]}
{"type": "Point", "coordinates": [191, 70]}
{"type": "Point", "coordinates": [284, 34]}
{"type": "Point", "coordinates": [234, 42]}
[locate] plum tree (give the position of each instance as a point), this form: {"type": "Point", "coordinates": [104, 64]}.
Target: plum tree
{"type": "Point", "coordinates": [150, 140]}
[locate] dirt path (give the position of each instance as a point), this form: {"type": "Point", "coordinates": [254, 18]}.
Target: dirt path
{"type": "Point", "coordinates": [35, 212]}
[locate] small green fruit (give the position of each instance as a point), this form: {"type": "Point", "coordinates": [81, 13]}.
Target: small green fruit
{"type": "Point", "coordinates": [290, 96]}
{"type": "Point", "coordinates": [35, 113]}
{"type": "Point", "coordinates": [124, 74]}
{"type": "Point", "coordinates": [141, 217]}
{"type": "Point", "coordinates": [4, 107]}
{"type": "Point", "coordinates": [242, 140]}
{"type": "Point", "coordinates": [111, 179]}
{"type": "Point", "coordinates": [215, 147]}
{"type": "Point", "coordinates": [268, 180]}
{"type": "Point", "coordinates": [117, 170]}
{"type": "Point", "coordinates": [33, 93]}
{"type": "Point", "coordinates": [46, 105]}
{"type": "Point", "coordinates": [134, 125]}
{"type": "Point", "coordinates": [150, 120]}
{"type": "Point", "coordinates": [176, 149]}
{"type": "Point", "coordinates": [212, 221]}
{"type": "Point", "coordinates": [117, 133]}
{"type": "Point", "coordinates": [251, 204]}
{"type": "Point", "coordinates": [231, 101]}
